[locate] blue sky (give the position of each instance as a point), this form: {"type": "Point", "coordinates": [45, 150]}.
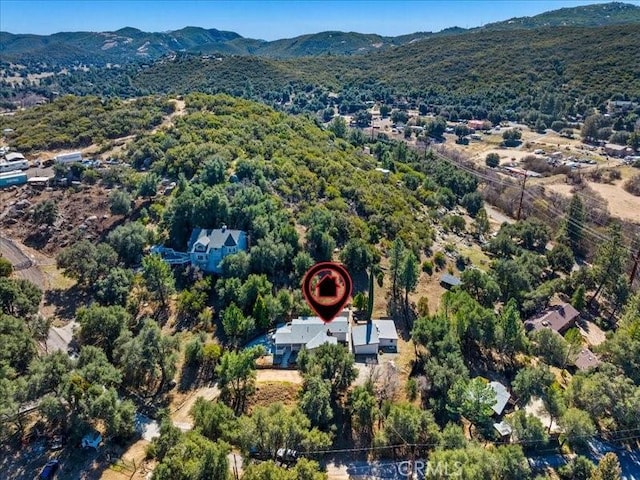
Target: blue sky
{"type": "Point", "coordinates": [267, 20]}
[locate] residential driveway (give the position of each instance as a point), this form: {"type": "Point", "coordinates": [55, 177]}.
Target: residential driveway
{"type": "Point", "coordinates": [181, 417]}
{"type": "Point", "coordinates": [60, 337]}
{"type": "Point", "coordinates": [147, 427]}
{"type": "Point", "coordinates": [591, 332]}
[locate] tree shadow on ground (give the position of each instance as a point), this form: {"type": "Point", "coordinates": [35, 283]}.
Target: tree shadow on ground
{"type": "Point", "coordinates": [65, 302]}
{"type": "Point", "coordinates": [189, 378]}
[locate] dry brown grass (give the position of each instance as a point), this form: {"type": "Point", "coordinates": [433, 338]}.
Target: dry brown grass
{"type": "Point", "coordinates": [268, 393]}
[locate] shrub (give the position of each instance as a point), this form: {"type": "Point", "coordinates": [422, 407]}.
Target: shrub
{"type": "Point", "coordinates": [120, 202]}
{"type": "Point", "coordinates": [440, 260]}
{"type": "Point", "coordinates": [427, 267]}
{"type": "Point", "coordinates": [5, 267]}
{"type": "Point", "coordinates": [633, 185]}
{"type": "Point", "coordinates": [492, 160]}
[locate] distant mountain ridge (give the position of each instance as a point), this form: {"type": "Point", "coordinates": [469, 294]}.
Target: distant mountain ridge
{"type": "Point", "coordinates": [130, 44]}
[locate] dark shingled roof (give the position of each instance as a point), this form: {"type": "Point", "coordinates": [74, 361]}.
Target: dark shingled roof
{"type": "Point", "coordinates": [230, 242]}
{"type": "Point", "coordinates": [557, 318]}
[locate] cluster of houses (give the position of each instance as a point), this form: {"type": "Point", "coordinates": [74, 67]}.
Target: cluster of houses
{"type": "Point", "coordinates": [559, 319]}
{"type": "Point", "coordinates": [206, 250]}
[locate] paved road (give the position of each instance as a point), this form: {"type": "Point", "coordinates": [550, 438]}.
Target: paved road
{"type": "Point", "coordinates": [629, 459]}
{"type": "Point", "coordinates": [18, 259]}
{"type": "Point", "coordinates": [60, 337]}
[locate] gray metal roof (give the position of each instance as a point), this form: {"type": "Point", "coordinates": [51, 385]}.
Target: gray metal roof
{"type": "Point", "coordinates": [366, 334]}
{"type": "Point", "coordinates": [302, 330]}
{"type": "Point", "coordinates": [320, 339]}
{"type": "Point", "coordinates": [450, 280]}
{"type": "Point", "coordinates": [502, 397]}
{"type": "Point", "coordinates": [503, 428]}
{"type": "Point", "coordinates": [386, 329]}
{"type": "Point", "coordinates": [14, 156]}
{"type": "Point", "coordinates": [215, 238]}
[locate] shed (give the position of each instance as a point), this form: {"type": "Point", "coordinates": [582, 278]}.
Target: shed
{"type": "Point", "coordinates": [69, 157]}
{"type": "Point", "coordinates": [503, 428]}
{"type": "Point", "coordinates": [14, 156]}
{"type": "Point", "coordinates": [586, 360]}
{"type": "Point", "coordinates": [449, 281]}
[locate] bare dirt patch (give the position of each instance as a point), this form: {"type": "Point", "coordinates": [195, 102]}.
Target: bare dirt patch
{"type": "Point", "coordinates": [82, 214]}
{"type": "Point", "coordinates": [621, 203]}
{"type": "Point", "coordinates": [275, 375]}
{"type": "Point", "coordinates": [131, 465]}
{"type": "Point", "coordinates": [268, 393]}
{"type": "Point", "coordinates": [181, 404]}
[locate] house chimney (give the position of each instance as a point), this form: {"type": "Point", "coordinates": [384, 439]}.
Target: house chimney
{"type": "Point", "coordinates": [224, 227]}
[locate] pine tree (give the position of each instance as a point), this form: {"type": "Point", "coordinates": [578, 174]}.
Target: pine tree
{"type": "Point", "coordinates": [397, 254]}
{"type": "Point", "coordinates": [609, 263]}
{"type": "Point", "coordinates": [513, 335]}
{"type": "Point", "coordinates": [608, 469]}
{"type": "Point", "coordinates": [575, 225]}
{"type": "Point", "coordinates": [409, 275]}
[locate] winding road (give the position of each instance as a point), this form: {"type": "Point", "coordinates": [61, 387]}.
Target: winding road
{"type": "Point", "coordinates": [25, 266]}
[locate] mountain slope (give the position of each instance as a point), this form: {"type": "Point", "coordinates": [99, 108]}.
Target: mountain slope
{"type": "Point", "coordinates": [130, 44]}
{"type": "Point", "coordinates": [597, 15]}
{"type": "Point", "coordinates": [574, 62]}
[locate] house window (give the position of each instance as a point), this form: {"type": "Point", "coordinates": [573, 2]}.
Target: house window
{"type": "Point", "coordinates": [200, 257]}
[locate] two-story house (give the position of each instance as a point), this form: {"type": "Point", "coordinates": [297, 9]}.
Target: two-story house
{"type": "Point", "coordinates": [207, 247]}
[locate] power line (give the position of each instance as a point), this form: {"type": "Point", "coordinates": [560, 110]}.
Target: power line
{"type": "Point", "coordinates": [498, 443]}
{"type": "Point", "coordinates": [560, 214]}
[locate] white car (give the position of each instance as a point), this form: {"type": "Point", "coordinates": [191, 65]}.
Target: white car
{"type": "Point", "coordinates": [92, 440]}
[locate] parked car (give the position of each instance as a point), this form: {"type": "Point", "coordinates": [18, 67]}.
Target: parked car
{"type": "Point", "coordinates": [286, 455]}
{"type": "Point", "coordinates": [92, 440]}
{"type": "Point", "coordinates": [49, 470]}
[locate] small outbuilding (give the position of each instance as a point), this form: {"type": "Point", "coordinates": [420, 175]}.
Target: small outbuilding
{"type": "Point", "coordinates": [586, 360]}
{"type": "Point", "coordinates": [449, 281]}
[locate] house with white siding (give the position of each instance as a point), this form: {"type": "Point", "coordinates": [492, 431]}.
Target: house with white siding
{"type": "Point", "coordinates": [311, 332]}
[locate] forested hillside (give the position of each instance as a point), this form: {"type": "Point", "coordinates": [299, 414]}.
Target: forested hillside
{"type": "Point", "coordinates": [151, 334]}
{"type": "Point", "coordinates": [132, 45]}
{"type": "Point", "coordinates": [550, 73]}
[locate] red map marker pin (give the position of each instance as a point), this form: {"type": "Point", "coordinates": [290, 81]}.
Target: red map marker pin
{"type": "Point", "coordinates": [326, 288]}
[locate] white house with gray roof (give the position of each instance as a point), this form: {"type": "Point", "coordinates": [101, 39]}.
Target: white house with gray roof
{"type": "Point", "coordinates": [311, 332]}
{"type": "Point", "coordinates": [207, 247]}
{"type": "Point", "coordinates": [368, 338]}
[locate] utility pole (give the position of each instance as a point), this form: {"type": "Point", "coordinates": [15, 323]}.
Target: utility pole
{"type": "Point", "coordinates": [524, 182]}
